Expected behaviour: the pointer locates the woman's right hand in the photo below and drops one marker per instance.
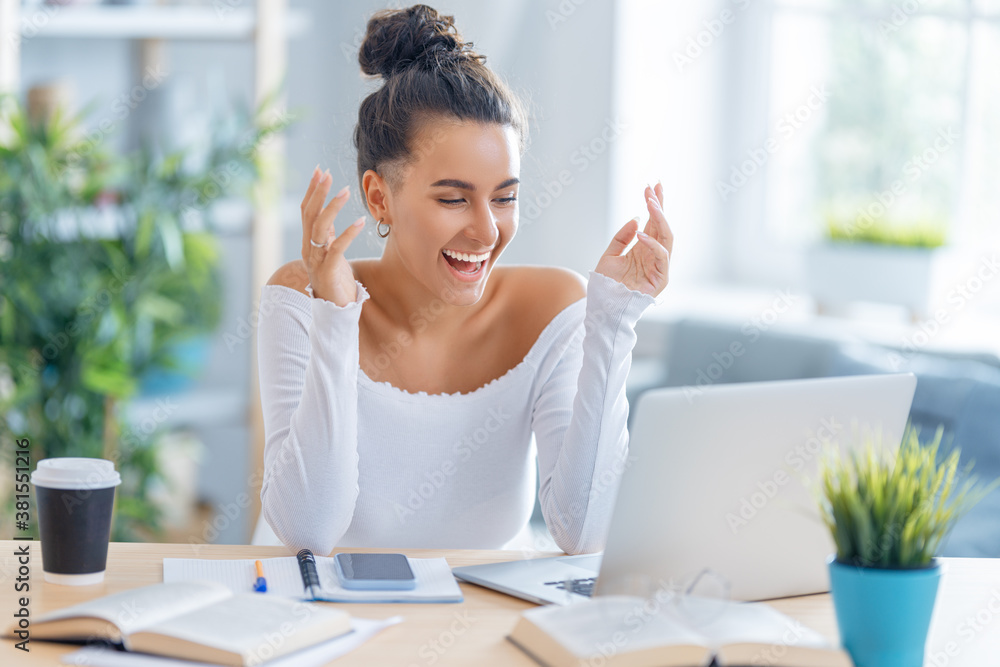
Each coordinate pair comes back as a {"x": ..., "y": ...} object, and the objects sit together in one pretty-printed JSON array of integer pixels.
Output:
[{"x": 330, "y": 274}]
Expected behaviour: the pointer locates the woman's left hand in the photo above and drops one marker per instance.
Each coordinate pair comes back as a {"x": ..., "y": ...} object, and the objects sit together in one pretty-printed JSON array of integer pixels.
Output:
[{"x": 646, "y": 266}]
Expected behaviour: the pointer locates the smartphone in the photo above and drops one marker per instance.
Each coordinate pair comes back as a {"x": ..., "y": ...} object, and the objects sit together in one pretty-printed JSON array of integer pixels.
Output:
[{"x": 380, "y": 572}]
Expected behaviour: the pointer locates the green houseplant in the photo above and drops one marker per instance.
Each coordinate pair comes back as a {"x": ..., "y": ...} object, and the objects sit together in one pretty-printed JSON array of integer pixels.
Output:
[
  {"x": 103, "y": 274},
  {"x": 888, "y": 514},
  {"x": 927, "y": 234}
]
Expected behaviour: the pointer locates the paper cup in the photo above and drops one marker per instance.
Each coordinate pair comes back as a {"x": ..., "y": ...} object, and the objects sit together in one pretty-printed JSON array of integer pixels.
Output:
[{"x": 75, "y": 497}]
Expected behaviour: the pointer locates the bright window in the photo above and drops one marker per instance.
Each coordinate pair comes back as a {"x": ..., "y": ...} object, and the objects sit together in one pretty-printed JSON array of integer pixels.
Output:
[{"x": 910, "y": 130}]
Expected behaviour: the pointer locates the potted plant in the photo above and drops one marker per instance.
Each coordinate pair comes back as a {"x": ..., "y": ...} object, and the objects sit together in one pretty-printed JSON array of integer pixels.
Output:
[
  {"x": 888, "y": 513},
  {"x": 876, "y": 260},
  {"x": 104, "y": 278}
]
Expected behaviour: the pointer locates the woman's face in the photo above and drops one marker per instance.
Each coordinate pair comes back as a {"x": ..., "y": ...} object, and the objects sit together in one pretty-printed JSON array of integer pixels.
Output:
[{"x": 458, "y": 196}]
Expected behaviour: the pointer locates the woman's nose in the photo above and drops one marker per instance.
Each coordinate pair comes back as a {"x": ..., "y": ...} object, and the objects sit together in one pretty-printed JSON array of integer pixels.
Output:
[{"x": 483, "y": 227}]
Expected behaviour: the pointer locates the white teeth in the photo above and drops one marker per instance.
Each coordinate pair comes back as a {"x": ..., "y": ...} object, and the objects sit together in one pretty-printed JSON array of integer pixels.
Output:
[{"x": 466, "y": 257}]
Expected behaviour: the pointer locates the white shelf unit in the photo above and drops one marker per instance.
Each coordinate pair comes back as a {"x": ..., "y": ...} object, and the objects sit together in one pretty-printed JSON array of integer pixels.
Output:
[
  {"x": 148, "y": 22},
  {"x": 267, "y": 25}
]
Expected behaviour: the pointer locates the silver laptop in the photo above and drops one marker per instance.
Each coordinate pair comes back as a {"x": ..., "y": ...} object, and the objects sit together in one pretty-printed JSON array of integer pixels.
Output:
[{"x": 716, "y": 486}]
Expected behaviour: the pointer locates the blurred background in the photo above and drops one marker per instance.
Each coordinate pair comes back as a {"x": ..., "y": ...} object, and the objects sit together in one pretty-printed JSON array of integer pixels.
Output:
[{"x": 831, "y": 172}]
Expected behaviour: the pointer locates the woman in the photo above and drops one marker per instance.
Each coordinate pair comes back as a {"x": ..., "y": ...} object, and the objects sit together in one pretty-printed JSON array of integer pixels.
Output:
[{"x": 401, "y": 394}]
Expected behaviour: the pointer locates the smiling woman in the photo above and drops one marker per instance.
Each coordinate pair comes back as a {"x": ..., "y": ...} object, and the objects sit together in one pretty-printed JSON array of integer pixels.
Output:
[
  {"x": 459, "y": 200},
  {"x": 405, "y": 397}
]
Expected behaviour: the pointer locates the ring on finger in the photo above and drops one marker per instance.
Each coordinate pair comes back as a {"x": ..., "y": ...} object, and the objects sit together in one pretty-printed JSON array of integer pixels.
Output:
[{"x": 318, "y": 245}]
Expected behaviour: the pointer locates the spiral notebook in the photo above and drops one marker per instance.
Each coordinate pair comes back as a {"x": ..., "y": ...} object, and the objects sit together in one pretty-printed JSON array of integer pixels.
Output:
[{"x": 435, "y": 582}]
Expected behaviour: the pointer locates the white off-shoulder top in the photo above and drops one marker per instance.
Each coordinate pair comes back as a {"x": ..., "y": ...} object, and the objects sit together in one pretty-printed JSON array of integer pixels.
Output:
[{"x": 351, "y": 462}]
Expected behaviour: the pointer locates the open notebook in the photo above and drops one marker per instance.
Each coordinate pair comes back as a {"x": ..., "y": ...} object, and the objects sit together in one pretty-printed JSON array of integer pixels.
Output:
[{"x": 435, "y": 582}]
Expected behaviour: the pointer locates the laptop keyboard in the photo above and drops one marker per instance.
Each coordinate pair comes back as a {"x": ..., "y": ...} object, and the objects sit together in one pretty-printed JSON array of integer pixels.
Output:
[{"x": 583, "y": 587}]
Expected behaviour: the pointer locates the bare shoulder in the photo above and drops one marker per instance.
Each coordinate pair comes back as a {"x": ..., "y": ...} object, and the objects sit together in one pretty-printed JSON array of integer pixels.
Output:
[
  {"x": 548, "y": 289},
  {"x": 293, "y": 275}
]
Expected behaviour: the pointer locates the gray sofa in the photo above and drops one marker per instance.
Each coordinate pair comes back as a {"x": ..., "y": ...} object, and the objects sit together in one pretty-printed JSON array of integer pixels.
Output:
[{"x": 960, "y": 392}]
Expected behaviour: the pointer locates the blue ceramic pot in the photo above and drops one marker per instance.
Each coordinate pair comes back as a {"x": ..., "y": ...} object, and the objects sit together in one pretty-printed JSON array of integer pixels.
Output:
[{"x": 883, "y": 614}]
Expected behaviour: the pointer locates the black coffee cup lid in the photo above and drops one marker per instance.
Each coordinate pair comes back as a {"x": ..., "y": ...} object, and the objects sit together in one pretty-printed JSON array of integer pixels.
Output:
[{"x": 72, "y": 472}]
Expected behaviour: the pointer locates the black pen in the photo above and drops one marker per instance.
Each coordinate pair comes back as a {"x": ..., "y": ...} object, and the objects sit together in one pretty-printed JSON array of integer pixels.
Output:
[{"x": 310, "y": 578}]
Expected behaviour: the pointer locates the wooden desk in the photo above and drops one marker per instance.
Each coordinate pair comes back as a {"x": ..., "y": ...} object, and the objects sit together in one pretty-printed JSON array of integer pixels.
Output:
[{"x": 967, "y": 617}]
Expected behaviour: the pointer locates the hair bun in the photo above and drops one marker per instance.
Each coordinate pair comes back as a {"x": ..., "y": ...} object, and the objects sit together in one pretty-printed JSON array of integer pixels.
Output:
[{"x": 399, "y": 38}]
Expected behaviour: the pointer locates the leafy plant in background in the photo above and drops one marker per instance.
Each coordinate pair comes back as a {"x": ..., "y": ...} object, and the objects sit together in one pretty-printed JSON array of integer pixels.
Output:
[
  {"x": 924, "y": 234},
  {"x": 893, "y": 510},
  {"x": 84, "y": 315}
]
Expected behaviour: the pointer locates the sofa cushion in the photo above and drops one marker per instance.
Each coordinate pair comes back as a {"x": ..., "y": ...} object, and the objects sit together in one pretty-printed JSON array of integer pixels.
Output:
[
  {"x": 703, "y": 352},
  {"x": 964, "y": 397}
]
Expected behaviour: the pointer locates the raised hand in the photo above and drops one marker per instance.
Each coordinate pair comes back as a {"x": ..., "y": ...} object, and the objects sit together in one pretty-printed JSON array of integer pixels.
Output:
[
  {"x": 645, "y": 267},
  {"x": 330, "y": 273}
]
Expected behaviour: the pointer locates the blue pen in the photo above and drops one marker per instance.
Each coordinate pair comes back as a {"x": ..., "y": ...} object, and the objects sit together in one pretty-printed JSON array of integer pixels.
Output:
[{"x": 260, "y": 586}]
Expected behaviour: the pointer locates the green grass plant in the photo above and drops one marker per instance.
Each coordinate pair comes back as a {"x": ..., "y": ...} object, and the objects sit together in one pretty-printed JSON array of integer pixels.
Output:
[{"x": 894, "y": 509}]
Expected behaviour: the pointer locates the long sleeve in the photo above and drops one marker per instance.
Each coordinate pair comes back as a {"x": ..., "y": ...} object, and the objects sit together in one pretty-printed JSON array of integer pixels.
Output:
[
  {"x": 308, "y": 362},
  {"x": 580, "y": 417}
]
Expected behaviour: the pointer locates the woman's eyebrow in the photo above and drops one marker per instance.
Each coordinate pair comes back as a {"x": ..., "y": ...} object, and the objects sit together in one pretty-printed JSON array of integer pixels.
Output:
[{"x": 465, "y": 185}]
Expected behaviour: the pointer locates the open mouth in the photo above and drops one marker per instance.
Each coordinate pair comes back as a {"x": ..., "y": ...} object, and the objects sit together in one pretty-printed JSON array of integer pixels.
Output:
[{"x": 465, "y": 263}]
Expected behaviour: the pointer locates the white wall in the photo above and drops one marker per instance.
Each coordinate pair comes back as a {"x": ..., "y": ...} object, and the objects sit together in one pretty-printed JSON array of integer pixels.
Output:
[{"x": 668, "y": 89}]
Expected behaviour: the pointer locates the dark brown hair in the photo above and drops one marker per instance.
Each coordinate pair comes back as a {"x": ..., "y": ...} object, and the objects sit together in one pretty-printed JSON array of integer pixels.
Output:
[{"x": 428, "y": 72}]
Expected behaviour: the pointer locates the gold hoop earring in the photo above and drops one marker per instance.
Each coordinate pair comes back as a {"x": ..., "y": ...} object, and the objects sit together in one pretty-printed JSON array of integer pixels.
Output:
[{"x": 378, "y": 228}]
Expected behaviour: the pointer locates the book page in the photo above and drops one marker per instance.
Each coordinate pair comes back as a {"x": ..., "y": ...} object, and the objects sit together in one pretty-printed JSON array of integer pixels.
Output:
[
  {"x": 611, "y": 625},
  {"x": 435, "y": 582},
  {"x": 758, "y": 623},
  {"x": 254, "y": 626},
  {"x": 138, "y": 608},
  {"x": 321, "y": 654}
]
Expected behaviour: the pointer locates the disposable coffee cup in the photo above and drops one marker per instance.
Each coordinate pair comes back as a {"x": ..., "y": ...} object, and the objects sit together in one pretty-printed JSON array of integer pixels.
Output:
[{"x": 75, "y": 497}]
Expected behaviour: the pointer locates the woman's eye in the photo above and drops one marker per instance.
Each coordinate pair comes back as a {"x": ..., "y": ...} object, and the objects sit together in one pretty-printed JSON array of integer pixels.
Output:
[{"x": 505, "y": 201}]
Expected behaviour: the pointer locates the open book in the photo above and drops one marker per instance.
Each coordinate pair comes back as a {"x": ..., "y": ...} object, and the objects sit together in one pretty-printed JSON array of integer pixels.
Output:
[
  {"x": 196, "y": 621},
  {"x": 625, "y": 631}
]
